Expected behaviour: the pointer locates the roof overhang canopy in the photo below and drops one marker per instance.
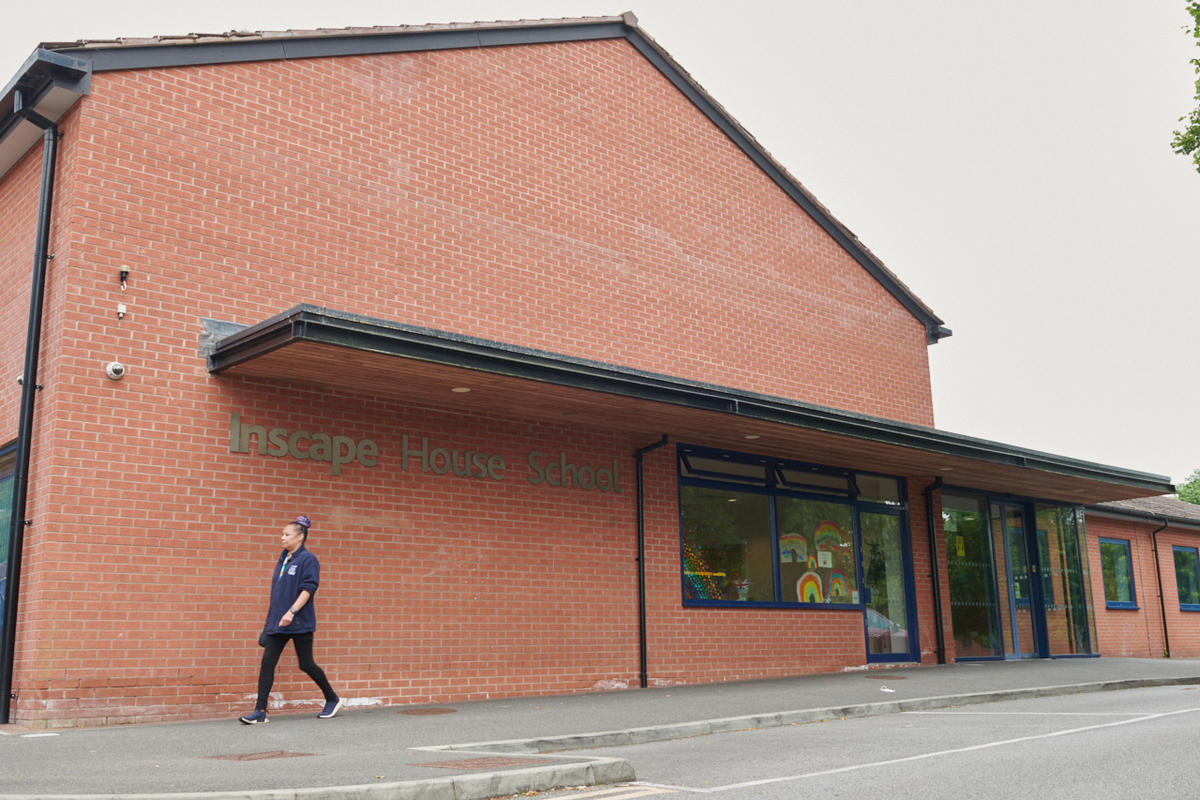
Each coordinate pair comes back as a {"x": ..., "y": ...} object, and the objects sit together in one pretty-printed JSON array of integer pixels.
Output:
[{"x": 420, "y": 366}]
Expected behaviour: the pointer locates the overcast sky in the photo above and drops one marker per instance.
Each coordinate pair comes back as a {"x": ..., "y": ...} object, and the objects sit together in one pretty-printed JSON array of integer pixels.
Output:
[{"x": 1010, "y": 162}]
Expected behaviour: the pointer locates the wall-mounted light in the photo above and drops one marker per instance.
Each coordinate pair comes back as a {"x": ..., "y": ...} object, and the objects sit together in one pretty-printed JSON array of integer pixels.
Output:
[{"x": 461, "y": 389}]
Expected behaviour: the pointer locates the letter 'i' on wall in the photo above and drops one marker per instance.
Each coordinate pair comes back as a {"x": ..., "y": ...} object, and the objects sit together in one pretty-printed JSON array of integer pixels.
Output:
[{"x": 337, "y": 450}]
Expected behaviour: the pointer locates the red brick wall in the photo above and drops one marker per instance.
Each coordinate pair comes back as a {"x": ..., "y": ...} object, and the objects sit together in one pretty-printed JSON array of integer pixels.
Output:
[
  {"x": 18, "y": 222},
  {"x": 562, "y": 197},
  {"x": 1139, "y": 632},
  {"x": 434, "y": 587}
]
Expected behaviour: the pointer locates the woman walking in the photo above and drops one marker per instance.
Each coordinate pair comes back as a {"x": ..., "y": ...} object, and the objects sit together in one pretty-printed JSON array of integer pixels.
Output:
[{"x": 292, "y": 617}]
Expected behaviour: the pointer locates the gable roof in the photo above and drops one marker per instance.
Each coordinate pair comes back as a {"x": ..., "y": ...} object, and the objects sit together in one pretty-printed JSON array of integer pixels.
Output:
[{"x": 58, "y": 73}]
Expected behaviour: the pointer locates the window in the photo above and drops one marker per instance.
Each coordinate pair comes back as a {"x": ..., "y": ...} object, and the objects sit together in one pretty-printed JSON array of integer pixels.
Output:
[
  {"x": 726, "y": 545},
  {"x": 759, "y": 530},
  {"x": 1187, "y": 577},
  {"x": 1117, "y": 569},
  {"x": 6, "y": 488},
  {"x": 817, "y": 561}
]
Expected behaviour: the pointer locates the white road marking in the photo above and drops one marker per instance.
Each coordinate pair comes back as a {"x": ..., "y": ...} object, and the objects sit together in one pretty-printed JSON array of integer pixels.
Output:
[
  {"x": 620, "y": 792},
  {"x": 922, "y": 756},
  {"x": 1032, "y": 713}
]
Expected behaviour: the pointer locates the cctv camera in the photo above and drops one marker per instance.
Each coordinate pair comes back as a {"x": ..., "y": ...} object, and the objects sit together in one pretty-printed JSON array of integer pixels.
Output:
[{"x": 115, "y": 370}]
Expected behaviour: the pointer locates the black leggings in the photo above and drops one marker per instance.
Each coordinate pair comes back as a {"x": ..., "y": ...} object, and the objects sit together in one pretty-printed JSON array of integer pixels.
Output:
[{"x": 273, "y": 649}]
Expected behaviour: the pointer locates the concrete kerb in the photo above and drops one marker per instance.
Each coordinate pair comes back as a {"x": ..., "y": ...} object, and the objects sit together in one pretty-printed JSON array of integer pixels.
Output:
[
  {"x": 599, "y": 771},
  {"x": 683, "y": 730}
]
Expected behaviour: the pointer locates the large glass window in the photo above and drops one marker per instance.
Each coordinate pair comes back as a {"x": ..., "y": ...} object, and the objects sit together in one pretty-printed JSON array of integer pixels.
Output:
[
  {"x": 1116, "y": 568},
  {"x": 759, "y": 530},
  {"x": 817, "y": 561},
  {"x": 1187, "y": 577},
  {"x": 885, "y": 584},
  {"x": 726, "y": 545}
]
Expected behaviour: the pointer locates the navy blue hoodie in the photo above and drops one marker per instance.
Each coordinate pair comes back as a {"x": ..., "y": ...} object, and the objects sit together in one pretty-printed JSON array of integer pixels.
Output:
[{"x": 302, "y": 571}]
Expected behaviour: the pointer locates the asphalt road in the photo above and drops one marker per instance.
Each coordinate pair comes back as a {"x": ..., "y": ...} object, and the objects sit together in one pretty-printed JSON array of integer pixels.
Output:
[{"x": 1135, "y": 743}]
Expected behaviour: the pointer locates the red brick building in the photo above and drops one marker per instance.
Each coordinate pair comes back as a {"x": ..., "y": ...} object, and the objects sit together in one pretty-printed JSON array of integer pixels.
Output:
[
  {"x": 1145, "y": 556},
  {"x": 581, "y": 389}
]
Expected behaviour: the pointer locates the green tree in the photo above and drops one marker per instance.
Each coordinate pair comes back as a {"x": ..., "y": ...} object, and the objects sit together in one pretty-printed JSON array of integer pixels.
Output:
[
  {"x": 1189, "y": 490},
  {"x": 1187, "y": 141}
]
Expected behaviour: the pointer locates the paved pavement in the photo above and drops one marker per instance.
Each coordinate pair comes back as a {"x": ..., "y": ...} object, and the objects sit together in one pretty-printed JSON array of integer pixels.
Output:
[{"x": 471, "y": 751}]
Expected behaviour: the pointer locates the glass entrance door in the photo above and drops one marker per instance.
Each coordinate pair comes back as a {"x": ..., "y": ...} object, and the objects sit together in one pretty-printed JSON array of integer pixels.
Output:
[
  {"x": 1019, "y": 585},
  {"x": 885, "y": 579},
  {"x": 1016, "y": 585}
]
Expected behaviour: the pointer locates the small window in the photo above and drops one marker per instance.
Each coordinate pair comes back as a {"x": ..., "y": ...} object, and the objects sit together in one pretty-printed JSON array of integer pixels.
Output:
[
  {"x": 730, "y": 470},
  {"x": 814, "y": 479},
  {"x": 1117, "y": 569},
  {"x": 878, "y": 489},
  {"x": 1187, "y": 577}
]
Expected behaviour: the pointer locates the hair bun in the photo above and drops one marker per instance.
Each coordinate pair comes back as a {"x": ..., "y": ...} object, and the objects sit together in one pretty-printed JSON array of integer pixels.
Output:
[{"x": 303, "y": 521}]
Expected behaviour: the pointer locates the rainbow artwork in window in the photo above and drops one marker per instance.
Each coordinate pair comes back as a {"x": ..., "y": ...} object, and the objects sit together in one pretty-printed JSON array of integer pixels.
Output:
[
  {"x": 837, "y": 587},
  {"x": 808, "y": 588},
  {"x": 701, "y": 579},
  {"x": 793, "y": 548}
]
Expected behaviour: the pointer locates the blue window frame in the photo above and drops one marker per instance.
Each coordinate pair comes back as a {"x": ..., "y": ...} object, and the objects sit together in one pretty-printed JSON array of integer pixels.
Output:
[
  {"x": 1187, "y": 577},
  {"x": 1116, "y": 567},
  {"x": 772, "y": 532}
]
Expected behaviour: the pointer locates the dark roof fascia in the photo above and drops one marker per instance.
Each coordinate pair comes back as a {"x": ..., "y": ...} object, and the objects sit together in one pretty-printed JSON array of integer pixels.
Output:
[
  {"x": 1150, "y": 517},
  {"x": 48, "y": 83},
  {"x": 121, "y": 56},
  {"x": 307, "y": 323}
]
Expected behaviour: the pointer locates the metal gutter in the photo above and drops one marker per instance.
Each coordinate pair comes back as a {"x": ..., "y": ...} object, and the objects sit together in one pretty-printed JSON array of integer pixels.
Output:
[
  {"x": 307, "y": 323},
  {"x": 29, "y": 390},
  {"x": 1162, "y": 601},
  {"x": 1147, "y": 518},
  {"x": 643, "y": 670},
  {"x": 938, "y": 617}
]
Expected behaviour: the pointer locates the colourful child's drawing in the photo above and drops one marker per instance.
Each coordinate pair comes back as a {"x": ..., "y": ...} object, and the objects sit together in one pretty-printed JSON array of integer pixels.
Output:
[
  {"x": 793, "y": 548},
  {"x": 701, "y": 579},
  {"x": 808, "y": 588},
  {"x": 829, "y": 536},
  {"x": 837, "y": 587}
]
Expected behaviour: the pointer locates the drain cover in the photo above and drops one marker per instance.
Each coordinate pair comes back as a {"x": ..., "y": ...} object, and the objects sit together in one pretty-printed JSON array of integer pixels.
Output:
[
  {"x": 497, "y": 762},
  {"x": 261, "y": 756},
  {"x": 427, "y": 710}
]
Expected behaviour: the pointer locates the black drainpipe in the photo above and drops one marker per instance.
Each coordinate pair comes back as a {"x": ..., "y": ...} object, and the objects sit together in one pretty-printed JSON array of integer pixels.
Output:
[
  {"x": 641, "y": 559},
  {"x": 933, "y": 563},
  {"x": 1162, "y": 603},
  {"x": 29, "y": 387}
]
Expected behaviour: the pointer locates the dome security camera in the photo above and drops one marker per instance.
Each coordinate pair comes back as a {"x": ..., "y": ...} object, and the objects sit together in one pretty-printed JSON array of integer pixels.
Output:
[{"x": 115, "y": 370}]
